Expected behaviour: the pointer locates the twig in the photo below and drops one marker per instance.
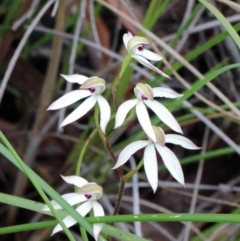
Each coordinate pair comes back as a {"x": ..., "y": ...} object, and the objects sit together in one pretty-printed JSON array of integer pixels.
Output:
[{"x": 20, "y": 47}]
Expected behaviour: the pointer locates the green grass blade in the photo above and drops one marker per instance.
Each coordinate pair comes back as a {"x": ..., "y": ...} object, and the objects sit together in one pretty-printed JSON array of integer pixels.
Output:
[
  {"x": 49, "y": 190},
  {"x": 11, "y": 14},
  {"x": 202, "y": 82},
  {"x": 223, "y": 21}
]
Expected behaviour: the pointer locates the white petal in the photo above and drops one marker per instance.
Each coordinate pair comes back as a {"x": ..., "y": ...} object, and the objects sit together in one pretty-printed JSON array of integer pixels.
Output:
[
  {"x": 164, "y": 114},
  {"x": 171, "y": 162},
  {"x": 145, "y": 62},
  {"x": 69, "y": 98},
  {"x": 75, "y": 180},
  {"x": 105, "y": 112},
  {"x": 165, "y": 92},
  {"x": 75, "y": 78},
  {"x": 123, "y": 110},
  {"x": 126, "y": 37},
  {"x": 148, "y": 55},
  {"x": 145, "y": 121},
  {"x": 80, "y": 110},
  {"x": 151, "y": 166},
  {"x": 71, "y": 198},
  {"x": 98, "y": 212},
  {"x": 128, "y": 151},
  {"x": 70, "y": 221},
  {"x": 182, "y": 141}
]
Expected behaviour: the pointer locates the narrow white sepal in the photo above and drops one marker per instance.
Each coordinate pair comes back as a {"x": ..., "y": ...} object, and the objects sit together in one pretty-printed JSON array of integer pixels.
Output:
[
  {"x": 145, "y": 121},
  {"x": 123, "y": 110},
  {"x": 80, "y": 110},
  {"x": 149, "y": 55},
  {"x": 98, "y": 212},
  {"x": 165, "y": 92},
  {"x": 128, "y": 151},
  {"x": 71, "y": 198},
  {"x": 164, "y": 114},
  {"x": 126, "y": 37},
  {"x": 171, "y": 162},
  {"x": 146, "y": 63},
  {"x": 75, "y": 180},
  {"x": 105, "y": 112},
  {"x": 150, "y": 166},
  {"x": 69, "y": 221},
  {"x": 69, "y": 99},
  {"x": 75, "y": 78},
  {"x": 182, "y": 141}
]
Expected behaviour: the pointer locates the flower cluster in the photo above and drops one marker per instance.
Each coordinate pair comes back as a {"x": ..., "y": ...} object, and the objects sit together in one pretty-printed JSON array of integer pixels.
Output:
[
  {"x": 92, "y": 89},
  {"x": 87, "y": 194},
  {"x": 135, "y": 47},
  {"x": 150, "y": 158}
]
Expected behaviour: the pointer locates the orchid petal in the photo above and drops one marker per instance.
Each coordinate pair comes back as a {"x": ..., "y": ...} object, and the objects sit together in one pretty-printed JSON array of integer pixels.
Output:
[
  {"x": 146, "y": 63},
  {"x": 164, "y": 114},
  {"x": 148, "y": 54},
  {"x": 150, "y": 166},
  {"x": 105, "y": 112},
  {"x": 71, "y": 198},
  {"x": 126, "y": 37},
  {"x": 128, "y": 151},
  {"x": 182, "y": 141},
  {"x": 80, "y": 111},
  {"x": 69, "y": 99},
  {"x": 171, "y": 162},
  {"x": 144, "y": 120},
  {"x": 75, "y": 180},
  {"x": 123, "y": 110},
  {"x": 69, "y": 221},
  {"x": 165, "y": 92},
  {"x": 75, "y": 78},
  {"x": 98, "y": 212}
]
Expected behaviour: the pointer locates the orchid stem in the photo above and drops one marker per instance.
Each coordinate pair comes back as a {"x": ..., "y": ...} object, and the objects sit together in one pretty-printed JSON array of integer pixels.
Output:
[
  {"x": 119, "y": 169},
  {"x": 125, "y": 64}
]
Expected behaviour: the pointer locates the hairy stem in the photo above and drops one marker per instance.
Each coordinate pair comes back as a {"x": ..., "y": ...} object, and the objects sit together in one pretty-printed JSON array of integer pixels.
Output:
[
  {"x": 116, "y": 81},
  {"x": 114, "y": 159}
]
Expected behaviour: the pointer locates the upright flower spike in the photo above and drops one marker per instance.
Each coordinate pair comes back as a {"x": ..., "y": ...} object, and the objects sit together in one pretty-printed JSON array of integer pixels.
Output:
[
  {"x": 135, "y": 48},
  {"x": 92, "y": 88},
  {"x": 88, "y": 194},
  {"x": 150, "y": 158},
  {"x": 145, "y": 96}
]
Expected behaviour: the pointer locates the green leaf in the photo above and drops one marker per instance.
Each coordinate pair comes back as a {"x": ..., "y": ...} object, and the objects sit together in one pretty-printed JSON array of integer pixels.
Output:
[
  {"x": 223, "y": 21},
  {"x": 49, "y": 190},
  {"x": 200, "y": 83}
]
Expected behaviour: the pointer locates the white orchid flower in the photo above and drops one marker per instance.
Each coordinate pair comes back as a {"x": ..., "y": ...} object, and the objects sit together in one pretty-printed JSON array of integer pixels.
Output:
[
  {"x": 145, "y": 95},
  {"x": 88, "y": 194},
  {"x": 150, "y": 159},
  {"x": 92, "y": 88},
  {"x": 135, "y": 48}
]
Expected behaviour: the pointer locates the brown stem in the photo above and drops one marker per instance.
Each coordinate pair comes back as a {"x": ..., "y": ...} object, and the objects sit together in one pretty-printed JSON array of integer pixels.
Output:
[
  {"x": 114, "y": 92},
  {"x": 121, "y": 177},
  {"x": 119, "y": 170}
]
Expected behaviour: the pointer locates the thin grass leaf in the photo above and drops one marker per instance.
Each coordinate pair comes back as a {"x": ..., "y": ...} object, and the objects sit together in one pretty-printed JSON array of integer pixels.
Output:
[{"x": 223, "y": 20}]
